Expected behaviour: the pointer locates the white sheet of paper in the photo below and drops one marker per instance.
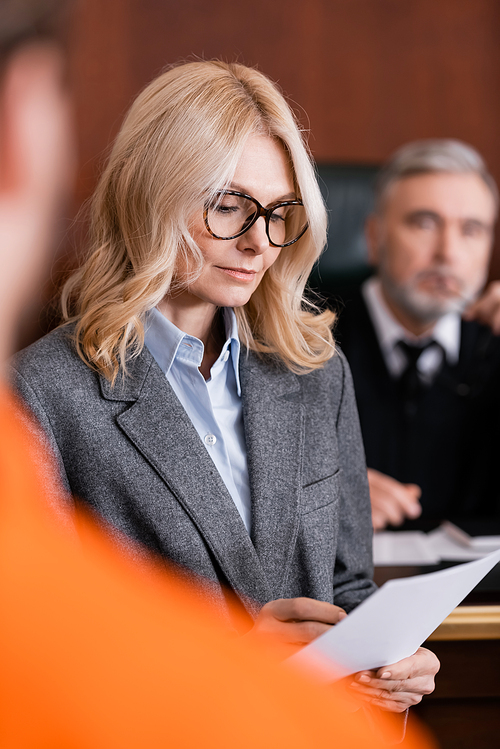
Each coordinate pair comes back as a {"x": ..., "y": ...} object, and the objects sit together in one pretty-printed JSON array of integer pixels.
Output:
[
  {"x": 402, "y": 547},
  {"x": 392, "y": 623}
]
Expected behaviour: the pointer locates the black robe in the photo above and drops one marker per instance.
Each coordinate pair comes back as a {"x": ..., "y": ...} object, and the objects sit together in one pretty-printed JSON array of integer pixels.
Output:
[{"x": 451, "y": 446}]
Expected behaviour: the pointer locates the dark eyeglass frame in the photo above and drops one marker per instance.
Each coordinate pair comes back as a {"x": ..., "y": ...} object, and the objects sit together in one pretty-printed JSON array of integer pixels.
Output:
[{"x": 261, "y": 211}]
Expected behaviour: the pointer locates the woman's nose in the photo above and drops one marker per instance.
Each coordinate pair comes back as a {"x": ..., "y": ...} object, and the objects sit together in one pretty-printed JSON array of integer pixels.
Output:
[{"x": 255, "y": 238}]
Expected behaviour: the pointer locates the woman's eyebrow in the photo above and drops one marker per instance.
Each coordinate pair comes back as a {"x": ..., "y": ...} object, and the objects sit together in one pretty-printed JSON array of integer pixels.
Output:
[{"x": 240, "y": 188}]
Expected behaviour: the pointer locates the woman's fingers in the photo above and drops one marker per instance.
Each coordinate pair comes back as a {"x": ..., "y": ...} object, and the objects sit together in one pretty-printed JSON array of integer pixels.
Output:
[
  {"x": 304, "y": 609},
  {"x": 421, "y": 684},
  {"x": 400, "y": 685},
  {"x": 396, "y": 701},
  {"x": 296, "y": 621},
  {"x": 422, "y": 662},
  {"x": 300, "y": 633},
  {"x": 410, "y": 690}
]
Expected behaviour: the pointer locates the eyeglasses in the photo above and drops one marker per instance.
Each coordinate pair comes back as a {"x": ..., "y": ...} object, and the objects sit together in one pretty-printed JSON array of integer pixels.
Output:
[{"x": 230, "y": 214}]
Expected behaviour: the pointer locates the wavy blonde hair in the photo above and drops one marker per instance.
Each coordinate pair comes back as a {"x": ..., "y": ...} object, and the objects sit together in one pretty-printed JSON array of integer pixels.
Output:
[{"x": 179, "y": 144}]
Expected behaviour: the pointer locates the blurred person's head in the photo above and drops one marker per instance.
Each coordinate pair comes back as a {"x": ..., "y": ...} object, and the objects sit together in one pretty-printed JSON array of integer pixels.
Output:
[
  {"x": 35, "y": 151},
  {"x": 181, "y": 144},
  {"x": 431, "y": 235}
]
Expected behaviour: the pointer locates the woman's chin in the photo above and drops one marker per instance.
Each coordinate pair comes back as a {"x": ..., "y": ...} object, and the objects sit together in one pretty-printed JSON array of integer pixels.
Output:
[{"x": 236, "y": 298}]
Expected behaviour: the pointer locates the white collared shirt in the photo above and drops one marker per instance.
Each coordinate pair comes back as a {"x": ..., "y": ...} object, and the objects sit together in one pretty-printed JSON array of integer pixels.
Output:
[
  {"x": 389, "y": 332},
  {"x": 214, "y": 405}
]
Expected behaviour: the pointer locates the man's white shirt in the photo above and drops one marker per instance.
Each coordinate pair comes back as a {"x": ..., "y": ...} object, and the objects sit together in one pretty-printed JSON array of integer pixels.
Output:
[{"x": 389, "y": 332}]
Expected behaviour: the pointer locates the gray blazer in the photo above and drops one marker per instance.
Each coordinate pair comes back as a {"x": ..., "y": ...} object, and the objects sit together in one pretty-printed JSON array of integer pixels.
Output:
[{"x": 134, "y": 456}]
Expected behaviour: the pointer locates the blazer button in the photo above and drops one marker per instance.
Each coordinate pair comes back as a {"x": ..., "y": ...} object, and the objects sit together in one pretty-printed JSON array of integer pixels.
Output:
[{"x": 210, "y": 439}]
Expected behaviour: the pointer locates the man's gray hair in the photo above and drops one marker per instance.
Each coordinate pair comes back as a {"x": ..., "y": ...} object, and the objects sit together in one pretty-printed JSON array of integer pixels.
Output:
[{"x": 432, "y": 155}]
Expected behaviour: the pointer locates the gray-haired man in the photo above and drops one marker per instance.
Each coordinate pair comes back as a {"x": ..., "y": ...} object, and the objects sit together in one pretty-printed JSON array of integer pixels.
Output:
[{"x": 424, "y": 376}]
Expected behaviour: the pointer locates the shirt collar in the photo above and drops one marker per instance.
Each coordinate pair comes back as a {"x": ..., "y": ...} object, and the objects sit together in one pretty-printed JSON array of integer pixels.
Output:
[
  {"x": 164, "y": 341},
  {"x": 233, "y": 341},
  {"x": 389, "y": 331}
]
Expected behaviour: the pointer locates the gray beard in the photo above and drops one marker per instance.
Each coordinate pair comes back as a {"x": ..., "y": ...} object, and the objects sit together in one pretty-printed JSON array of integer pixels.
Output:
[{"x": 420, "y": 305}]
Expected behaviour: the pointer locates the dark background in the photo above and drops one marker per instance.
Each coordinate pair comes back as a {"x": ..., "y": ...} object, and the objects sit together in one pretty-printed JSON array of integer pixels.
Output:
[{"x": 364, "y": 76}]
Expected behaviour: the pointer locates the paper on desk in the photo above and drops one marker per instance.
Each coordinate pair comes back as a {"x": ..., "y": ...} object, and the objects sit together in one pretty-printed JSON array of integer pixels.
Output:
[
  {"x": 403, "y": 547},
  {"x": 453, "y": 543},
  {"x": 449, "y": 550},
  {"x": 392, "y": 623},
  {"x": 418, "y": 548}
]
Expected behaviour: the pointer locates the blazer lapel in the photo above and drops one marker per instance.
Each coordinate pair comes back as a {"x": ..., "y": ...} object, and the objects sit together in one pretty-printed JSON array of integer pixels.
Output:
[
  {"x": 161, "y": 430},
  {"x": 274, "y": 431}
]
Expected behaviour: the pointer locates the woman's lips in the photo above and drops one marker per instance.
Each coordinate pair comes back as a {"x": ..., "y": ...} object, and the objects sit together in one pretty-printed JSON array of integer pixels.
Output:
[{"x": 240, "y": 273}]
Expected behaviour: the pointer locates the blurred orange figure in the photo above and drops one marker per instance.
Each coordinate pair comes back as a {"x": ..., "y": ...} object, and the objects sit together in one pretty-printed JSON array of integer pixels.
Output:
[{"x": 99, "y": 652}]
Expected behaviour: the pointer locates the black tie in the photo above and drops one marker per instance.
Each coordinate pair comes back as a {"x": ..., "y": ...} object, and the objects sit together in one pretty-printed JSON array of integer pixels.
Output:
[{"x": 410, "y": 382}]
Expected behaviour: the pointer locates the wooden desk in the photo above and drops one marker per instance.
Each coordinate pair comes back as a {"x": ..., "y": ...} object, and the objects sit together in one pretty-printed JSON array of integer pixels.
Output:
[
  {"x": 464, "y": 710},
  {"x": 469, "y": 623}
]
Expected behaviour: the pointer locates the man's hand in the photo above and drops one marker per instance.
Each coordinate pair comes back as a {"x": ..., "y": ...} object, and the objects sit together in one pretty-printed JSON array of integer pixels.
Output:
[
  {"x": 294, "y": 622},
  {"x": 401, "y": 685},
  {"x": 486, "y": 309},
  {"x": 392, "y": 502}
]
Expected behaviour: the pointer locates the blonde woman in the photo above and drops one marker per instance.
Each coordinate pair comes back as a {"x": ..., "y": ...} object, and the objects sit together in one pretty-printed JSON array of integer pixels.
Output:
[{"x": 194, "y": 398}]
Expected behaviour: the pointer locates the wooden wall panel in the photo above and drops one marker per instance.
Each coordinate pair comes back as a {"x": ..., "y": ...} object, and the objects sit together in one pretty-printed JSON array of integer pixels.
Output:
[{"x": 365, "y": 75}]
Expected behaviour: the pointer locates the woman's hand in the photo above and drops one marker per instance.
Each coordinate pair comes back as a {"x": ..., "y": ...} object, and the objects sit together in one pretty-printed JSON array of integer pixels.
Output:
[
  {"x": 401, "y": 685},
  {"x": 294, "y": 622}
]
